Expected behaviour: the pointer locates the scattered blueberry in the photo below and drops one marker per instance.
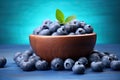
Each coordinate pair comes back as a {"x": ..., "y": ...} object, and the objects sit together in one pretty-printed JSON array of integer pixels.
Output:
[
  {"x": 27, "y": 65},
  {"x": 57, "y": 64},
  {"x": 41, "y": 65},
  {"x": 16, "y": 55},
  {"x": 106, "y": 61},
  {"x": 68, "y": 64},
  {"x": 78, "y": 69},
  {"x": 113, "y": 56},
  {"x": 94, "y": 57},
  {"x": 115, "y": 65},
  {"x": 3, "y": 61},
  {"x": 83, "y": 60},
  {"x": 97, "y": 66}
]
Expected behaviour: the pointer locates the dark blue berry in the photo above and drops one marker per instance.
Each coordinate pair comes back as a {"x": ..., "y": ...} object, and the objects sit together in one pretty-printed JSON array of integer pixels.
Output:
[
  {"x": 62, "y": 31},
  {"x": 57, "y": 64},
  {"x": 80, "y": 31},
  {"x": 35, "y": 57},
  {"x": 83, "y": 60},
  {"x": 72, "y": 33},
  {"x": 97, "y": 66},
  {"x": 113, "y": 56},
  {"x": 75, "y": 24},
  {"x": 106, "y": 61},
  {"x": 82, "y": 24},
  {"x": 78, "y": 69},
  {"x": 88, "y": 29},
  {"x": 94, "y": 57},
  {"x": 3, "y": 61},
  {"x": 41, "y": 65},
  {"x": 54, "y": 34},
  {"x": 45, "y": 32},
  {"x": 16, "y": 55},
  {"x": 68, "y": 64},
  {"x": 54, "y": 26},
  {"x": 36, "y": 31},
  {"x": 115, "y": 65},
  {"x": 27, "y": 65}
]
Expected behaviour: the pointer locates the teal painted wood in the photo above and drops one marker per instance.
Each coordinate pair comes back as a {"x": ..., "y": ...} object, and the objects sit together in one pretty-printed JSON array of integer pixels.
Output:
[
  {"x": 13, "y": 72},
  {"x": 18, "y": 18}
]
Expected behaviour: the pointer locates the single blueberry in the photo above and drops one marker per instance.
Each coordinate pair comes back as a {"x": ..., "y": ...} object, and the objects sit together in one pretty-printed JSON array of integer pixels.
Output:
[
  {"x": 57, "y": 64},
  {"x": 94, "y": 57},
  {"x": 16, "y": 55},
  {"x": 88, "y": 29},
  {"x": 101, "y": 54},
  {"x": 106, "y": 61},
  {"x": 45, "y": 32},
  {"x": 27, "y": 65},
  {"x": 3, "y": 61},
  {"x": 55, "y": 34},
  {"x": 35, "y": 57},
  {"x": 97, "y": 66},
  {"x": 72, "y": 33},
  {"x": 47, "y": 22},
  {"x": 115, "y": 65},
  {"x": 113, "y": 56},
  {"x": 68, "y": 64},
  {"x": 54, "y": 26},
  {"x": 82, "y": 24},
  {"x": 37, "y": 30},
  {"x": 83, "y": 60},
  {"x": 80, "y": 31},
  {"x": 62, "y": 31},
  {"x": 28, "y": 52},
  {"x": 78, "y": 69},
  {"x": 41, "y": 65},
  {"x": 75, "y": 24}
]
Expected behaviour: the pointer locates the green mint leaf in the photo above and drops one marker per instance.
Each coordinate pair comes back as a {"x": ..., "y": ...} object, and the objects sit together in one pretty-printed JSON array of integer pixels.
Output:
[
  {"x": 60, "y": 16},
  {"x": 69, "y": 18}
]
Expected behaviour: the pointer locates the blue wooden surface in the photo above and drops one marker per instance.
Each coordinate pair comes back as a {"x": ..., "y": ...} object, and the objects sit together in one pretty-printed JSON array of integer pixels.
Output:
[{"x": 12, "y": 72}]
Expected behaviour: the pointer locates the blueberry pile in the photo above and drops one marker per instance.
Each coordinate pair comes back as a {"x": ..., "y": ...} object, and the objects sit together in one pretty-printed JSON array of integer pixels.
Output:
[
  {"x": 3, "y": 61},
  {"x": 98, "y": 61},
  {"x": 74, "y": 27}
]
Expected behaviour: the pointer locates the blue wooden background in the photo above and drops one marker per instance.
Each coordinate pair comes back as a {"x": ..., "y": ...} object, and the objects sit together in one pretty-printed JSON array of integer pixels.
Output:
[{"x": 18, "y": 18}]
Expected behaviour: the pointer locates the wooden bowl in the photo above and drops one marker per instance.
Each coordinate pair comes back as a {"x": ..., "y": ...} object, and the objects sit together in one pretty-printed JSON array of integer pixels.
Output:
[{"x": 73, "y": 46}]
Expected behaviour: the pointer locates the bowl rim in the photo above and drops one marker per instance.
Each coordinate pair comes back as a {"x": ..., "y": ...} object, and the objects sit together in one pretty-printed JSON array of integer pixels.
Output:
[{"x": 64, "y": 36}]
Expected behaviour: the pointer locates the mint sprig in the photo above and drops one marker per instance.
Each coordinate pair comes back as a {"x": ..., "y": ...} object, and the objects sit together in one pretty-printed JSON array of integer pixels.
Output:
[{"x": 60, "y": 17}]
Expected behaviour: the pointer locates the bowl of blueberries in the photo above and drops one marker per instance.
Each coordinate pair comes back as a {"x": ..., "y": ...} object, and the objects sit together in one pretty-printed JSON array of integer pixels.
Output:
[{"x": 72, "y": 39}]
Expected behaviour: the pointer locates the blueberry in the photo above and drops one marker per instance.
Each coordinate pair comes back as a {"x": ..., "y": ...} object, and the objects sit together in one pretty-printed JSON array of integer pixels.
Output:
[
  {"x": 68, "y": 64},
  {"x": 88, "y": 29},
  {"x": 3, "y": 61},
  {"x": 106, "y": 61},
  {"x": 78, "y": 69},
  {"x": 41, "y": 65},
  {"x": 54, "y": 26},
  {"x": 75, "y": 24},
  {"x": 97, "y": 66},
  {"x": 94, "y": 57},
  {"x": 20, "y": 58},
  {"x": 47, "y": 22},
  {"x": 35, "y": 57},
  {"x": 57, "y": 64},
  {"x": 62, "y": 31},
  {"x": 45, "y": 32},
  {"x": 113, "y": 56},
  {"x": 80, "y": 31},
  {"x": 27, "y": 65},
  {"x": 28, "y": 52},
  {"x": 82, "y": 24},
  {"x": 72, "y": 33},
  {"x": 83, "y": 60},
  {"x": 16, "y": 55},
  {"x": 115, "y": 65},
  {"x": 77, "y": 63},
  {"x": 101, "y": 54},
  {"x": 36, "y": 31},
  {"x": 54, "y": 34}
]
